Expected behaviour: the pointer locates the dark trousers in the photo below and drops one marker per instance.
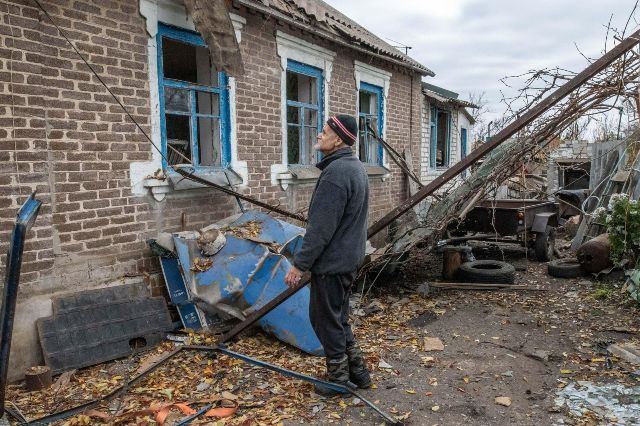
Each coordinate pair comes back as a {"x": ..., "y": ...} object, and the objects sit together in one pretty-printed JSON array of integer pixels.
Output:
[{"x": 329, "y": 311}]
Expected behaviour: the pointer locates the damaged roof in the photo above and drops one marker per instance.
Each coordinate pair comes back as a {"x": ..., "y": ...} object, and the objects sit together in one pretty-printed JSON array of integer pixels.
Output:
[
  {"x": 445, "y": 96},
  {"x": 317, "y": 16}
]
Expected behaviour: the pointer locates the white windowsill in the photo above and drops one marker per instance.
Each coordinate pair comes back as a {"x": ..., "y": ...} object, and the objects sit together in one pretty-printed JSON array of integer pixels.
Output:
[
  {"x": 173, "y": 181},
  {"x": 285, "y": 175}
]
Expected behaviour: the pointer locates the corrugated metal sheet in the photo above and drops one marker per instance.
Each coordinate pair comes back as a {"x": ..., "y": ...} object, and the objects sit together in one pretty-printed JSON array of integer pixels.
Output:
[{"x": 319, "y": 14}]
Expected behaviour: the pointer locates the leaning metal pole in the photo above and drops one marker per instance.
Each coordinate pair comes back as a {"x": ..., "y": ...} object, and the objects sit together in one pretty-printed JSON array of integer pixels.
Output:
[
  {"x": 26, "y": 216},
  {"x": 533, "y": 113}
]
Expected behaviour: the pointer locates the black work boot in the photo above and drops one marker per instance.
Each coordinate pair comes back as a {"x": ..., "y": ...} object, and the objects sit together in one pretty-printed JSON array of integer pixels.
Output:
[
  {"x": 337, "y": 372},
  {"x": 358, "y": 372}
]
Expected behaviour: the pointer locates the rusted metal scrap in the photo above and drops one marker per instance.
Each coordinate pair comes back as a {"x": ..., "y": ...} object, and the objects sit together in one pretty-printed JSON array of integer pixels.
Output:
[{"x": 594, "y": 254}]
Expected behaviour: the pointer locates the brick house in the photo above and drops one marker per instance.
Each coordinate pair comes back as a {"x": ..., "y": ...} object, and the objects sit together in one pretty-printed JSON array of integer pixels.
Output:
[
  {"x": 446, "y": 132},
  {"x": 63, "y": 135}
]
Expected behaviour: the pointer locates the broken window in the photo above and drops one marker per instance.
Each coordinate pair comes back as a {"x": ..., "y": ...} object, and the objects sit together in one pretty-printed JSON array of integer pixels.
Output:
[
  {"x": 370, "y": 116},
  {"x": 304, "y": 93},
  {"x": 440, "y": 137},
  {"x": 193, "y": 101},
  {"x": 574, "y": 175}
]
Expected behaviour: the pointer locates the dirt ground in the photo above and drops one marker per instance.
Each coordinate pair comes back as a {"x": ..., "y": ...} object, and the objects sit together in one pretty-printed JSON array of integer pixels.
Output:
[{"x": 521, "y": 344}]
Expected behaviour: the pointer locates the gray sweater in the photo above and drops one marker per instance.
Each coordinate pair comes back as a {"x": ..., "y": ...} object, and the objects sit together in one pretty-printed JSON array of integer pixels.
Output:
[{"x": 337, "y": 222}]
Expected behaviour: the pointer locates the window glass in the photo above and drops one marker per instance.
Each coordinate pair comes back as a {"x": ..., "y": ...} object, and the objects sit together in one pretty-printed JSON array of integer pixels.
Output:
[
  {"x": 442, "y": 141},
  {"x": 178, "y": 139},
  {"x": 303, "y": 112},
  {"x": 209, "y": 141},
  {"x": 302, "y": 88},
  {"x": 176, "y": 100},
  {"x": 293, "y": 145},
  {"x": 369, "y": 118}
]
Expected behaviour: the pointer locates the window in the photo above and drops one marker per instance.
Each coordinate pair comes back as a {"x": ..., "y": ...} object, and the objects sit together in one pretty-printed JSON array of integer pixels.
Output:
[
  {"x": 194, "y": 105},
  {"x": 463, "y": 147},
  {"x": 304, "y": 93},
  {"x": 574, "y": 176},
  {"x": 370, "y": 115},
  {"x": 440, "y": 137}
]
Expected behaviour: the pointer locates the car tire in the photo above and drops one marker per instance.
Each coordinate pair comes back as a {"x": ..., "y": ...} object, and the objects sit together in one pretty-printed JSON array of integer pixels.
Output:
[
  {"x": 544, "y": 244},
  {"x": 565, "y": 268},
  {"x": 486, "y": 271}
]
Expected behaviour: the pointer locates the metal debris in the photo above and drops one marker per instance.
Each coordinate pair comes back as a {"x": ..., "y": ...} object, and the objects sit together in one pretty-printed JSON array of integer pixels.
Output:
[{"x": 617, "y": 404}]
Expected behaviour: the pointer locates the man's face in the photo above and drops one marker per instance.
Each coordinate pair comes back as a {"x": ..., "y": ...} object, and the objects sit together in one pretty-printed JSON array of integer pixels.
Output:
[{"x": 327, "y": 141}]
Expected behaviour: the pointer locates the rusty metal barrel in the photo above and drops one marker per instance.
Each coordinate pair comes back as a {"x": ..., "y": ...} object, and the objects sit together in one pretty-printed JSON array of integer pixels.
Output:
[{"x": 594, "y": 255}]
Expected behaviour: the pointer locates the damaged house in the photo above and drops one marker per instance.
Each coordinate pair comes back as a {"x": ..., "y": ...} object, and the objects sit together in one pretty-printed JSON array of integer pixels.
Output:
[
  {"x": 105, "y": 189},
  {"x": 447, "y": 127}
]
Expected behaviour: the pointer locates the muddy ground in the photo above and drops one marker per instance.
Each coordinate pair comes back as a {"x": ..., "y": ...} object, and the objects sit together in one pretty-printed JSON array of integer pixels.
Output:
[{"x": 523, "y": 345}]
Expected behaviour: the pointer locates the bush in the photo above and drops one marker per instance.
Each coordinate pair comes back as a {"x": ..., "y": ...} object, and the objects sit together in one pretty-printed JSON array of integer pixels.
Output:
[{"x": 623, "y": 227}]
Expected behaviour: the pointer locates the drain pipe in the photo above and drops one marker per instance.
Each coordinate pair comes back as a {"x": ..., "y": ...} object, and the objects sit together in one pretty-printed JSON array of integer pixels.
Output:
[{"x": 26, "y": 217}]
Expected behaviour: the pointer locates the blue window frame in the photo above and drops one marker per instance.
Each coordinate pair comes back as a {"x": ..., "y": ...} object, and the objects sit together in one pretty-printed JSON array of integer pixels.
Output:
[
  {"x": 304, "y": 102},
  {"x": 440, "y": 141},
  {"x": 463, "y": 146},
  {"x": 370, "y": 114},
  {"x": 194, "y": 102}
]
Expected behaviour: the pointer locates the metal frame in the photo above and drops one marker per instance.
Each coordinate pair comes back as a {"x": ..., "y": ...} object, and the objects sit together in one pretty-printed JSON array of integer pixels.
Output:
[
  {"x": 192, "y": 38},
  {"x": 26, "y": 217},
  {"x": 370, "y": 141},
  {"x": 309, "y": 71}
]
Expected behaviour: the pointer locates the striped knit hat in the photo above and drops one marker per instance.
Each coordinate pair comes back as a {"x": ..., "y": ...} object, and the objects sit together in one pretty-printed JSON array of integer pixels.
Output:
[{"x": 345, "y": 126}]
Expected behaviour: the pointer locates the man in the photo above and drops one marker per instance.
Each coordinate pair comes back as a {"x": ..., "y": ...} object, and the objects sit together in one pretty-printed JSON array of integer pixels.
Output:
[{"x": 333, "y": 249}]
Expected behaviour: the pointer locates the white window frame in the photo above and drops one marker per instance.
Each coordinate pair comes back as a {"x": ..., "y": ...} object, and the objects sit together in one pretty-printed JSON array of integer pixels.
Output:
[
  {"x": 173, "y": 12},
  {"x": 296, "y": 49},
  {"x": 377, "y": 77}
]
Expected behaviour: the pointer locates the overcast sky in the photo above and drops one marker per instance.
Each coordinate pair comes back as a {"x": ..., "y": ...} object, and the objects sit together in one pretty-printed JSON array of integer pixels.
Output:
[{"x": 472, "y": 44}]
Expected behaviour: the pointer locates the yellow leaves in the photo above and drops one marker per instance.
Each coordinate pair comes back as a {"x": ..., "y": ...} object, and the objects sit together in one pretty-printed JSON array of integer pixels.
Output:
[
  {"x": 168, "y": 393},
  {"x": 410, "y": 391},
  {"x": 600, "y": 359},
  {"x": 404, "y": 416},
  {"x": 435, "y": 408},
  {"x": 566, "y": 371},
  {"x": 334, "y": 415},
  {"x": 466, "y": 380}
]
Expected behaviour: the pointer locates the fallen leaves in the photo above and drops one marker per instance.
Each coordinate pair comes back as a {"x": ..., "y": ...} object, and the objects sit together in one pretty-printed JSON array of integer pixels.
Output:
[{"x": 201, "y": 264}]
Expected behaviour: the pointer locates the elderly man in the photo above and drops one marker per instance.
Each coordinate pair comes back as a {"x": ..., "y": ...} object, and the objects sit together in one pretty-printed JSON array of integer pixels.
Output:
[{"x": 333, "y": 249}]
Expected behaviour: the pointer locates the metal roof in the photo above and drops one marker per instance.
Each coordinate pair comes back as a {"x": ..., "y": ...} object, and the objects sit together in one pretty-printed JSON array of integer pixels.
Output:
[
  {"x": 445, "y": 96},
  {"x": 324, "y": 20}
]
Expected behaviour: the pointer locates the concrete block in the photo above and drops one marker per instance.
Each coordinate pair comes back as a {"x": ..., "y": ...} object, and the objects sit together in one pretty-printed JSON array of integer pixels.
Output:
[
  {"x": 95, "y": 326},
  {"x": 627, "y": 351}
]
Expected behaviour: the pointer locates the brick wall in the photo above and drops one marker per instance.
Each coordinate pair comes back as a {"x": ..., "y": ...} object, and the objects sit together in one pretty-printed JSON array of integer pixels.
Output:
[
  {"x": 63, "y": 135},
  {"x": 258, "y": 109}
]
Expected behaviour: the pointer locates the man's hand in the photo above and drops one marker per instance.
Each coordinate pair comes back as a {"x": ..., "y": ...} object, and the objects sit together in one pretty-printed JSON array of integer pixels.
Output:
[{"x": 293, "y": 277}]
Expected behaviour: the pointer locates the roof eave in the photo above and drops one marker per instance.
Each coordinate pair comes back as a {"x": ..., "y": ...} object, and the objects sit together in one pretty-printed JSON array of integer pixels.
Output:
[{"x": 424, "y": 71}]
